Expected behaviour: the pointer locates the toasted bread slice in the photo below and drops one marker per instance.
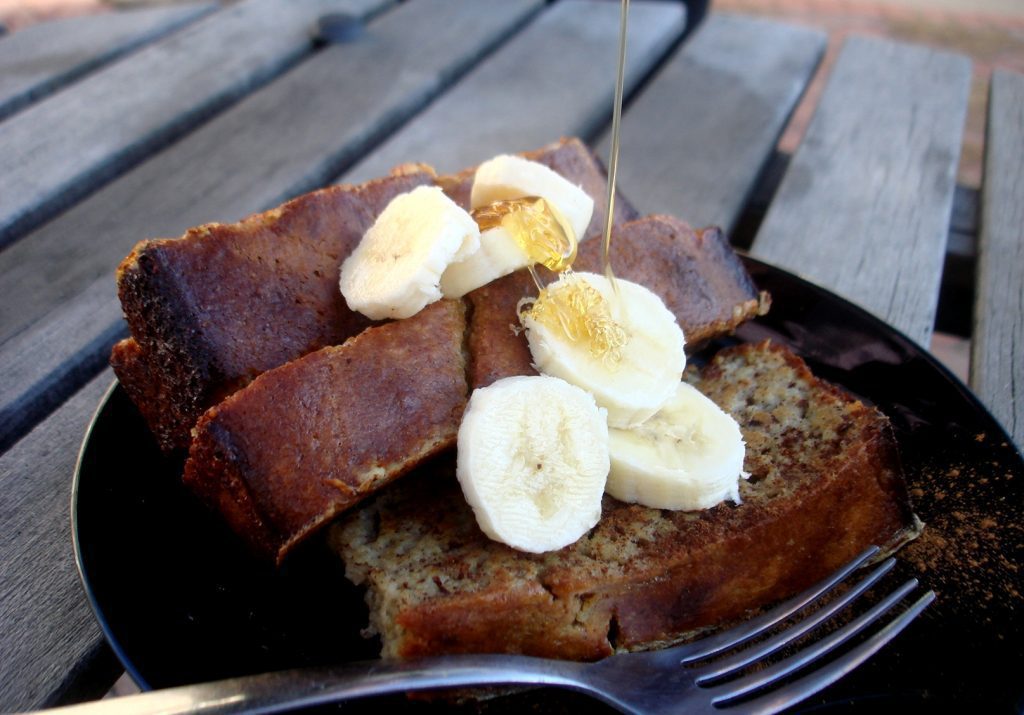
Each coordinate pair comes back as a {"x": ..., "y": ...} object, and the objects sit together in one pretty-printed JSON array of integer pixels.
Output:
[
  {"x": 305, "y": 441},
  {"x": 825, "y": 483},
  {"x": 225, "y": 302},
  {"x": 696, "y": 273}
]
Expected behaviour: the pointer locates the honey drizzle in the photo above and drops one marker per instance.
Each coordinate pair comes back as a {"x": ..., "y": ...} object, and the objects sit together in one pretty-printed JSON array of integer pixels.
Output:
[
  {"x": 613, "y": 157},
  {"x": 537, "y": 227},
  {"x": 536, "y": 278},
  {"x": 583, "y": 314}
]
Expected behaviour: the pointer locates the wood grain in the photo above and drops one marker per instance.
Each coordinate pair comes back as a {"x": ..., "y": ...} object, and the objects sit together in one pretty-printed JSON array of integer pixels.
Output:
[
  {"x": 997, "y": 342},
  {"x": 865, "y": 205},
  {"x": 55, "y": 356},
  {"x": 554, "y": 79},
  {"x": 694, "y": 142},
  {"x": 40, "y": 59},
  {"x": 49, "y": 634},
  {"x": 251, "y": 157},
  {"x": 61, "y": 148}
]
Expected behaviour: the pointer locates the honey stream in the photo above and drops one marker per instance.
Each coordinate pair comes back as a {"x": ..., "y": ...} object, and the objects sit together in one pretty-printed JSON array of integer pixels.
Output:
[{"x": 613, "y": 157}]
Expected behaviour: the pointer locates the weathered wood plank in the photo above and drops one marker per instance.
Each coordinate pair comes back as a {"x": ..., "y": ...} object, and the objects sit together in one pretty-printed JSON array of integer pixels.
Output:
[
  {"x": 556, "y": 78},
  {"x": 865, "y": 205},
  {"x": 695, "y": 141},
  {"x": 250, "y": 157},
  {"x": 997, "y": 342},
  {"x": 54, "y": 357},
  {"x": 48, "y": 634},
  {"x": 41, "y": 59},
  {"x": 67, "y": 145}
]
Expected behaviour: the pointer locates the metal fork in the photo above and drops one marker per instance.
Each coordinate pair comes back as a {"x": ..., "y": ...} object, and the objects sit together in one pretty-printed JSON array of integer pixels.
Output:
[{"x": 650, "y": 682}]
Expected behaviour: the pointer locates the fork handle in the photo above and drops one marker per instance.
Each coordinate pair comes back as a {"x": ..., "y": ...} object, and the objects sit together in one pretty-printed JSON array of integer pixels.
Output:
[{"x": 274, "y": 692}]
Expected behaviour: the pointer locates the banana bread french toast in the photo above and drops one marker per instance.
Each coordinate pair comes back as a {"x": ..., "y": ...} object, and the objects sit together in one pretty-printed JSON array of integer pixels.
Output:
[
  {"x": 697, "y": 274},
  {"x": 309, "y": 439},
  {"x": 825, "y": 482},
  {"x": 225, "y": 302}
]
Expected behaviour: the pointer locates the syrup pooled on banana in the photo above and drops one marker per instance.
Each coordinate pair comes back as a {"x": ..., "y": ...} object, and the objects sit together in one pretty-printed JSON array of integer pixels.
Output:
[
  {"x": 537, "y": 227},
  {"x": 572, "y": 305}
]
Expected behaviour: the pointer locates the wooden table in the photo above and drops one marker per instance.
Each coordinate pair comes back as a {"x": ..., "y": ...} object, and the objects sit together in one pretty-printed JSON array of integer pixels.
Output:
[{"x": 141, "y": 124}]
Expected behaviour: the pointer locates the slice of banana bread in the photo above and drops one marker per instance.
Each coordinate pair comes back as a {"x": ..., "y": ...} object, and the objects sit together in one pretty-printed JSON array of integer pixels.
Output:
[
  {"x": 825, "y": 482},
  {"x": 307, "y": 440},
  {"x": 213, "y": 309}
]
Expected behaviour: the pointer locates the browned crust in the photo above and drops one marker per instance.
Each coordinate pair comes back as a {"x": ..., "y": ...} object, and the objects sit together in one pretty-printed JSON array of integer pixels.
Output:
[
  {"x": 305, "y": 441},
  {"x": 826, "y": 483},
  {"x": 696, "y": 273},
  {"x": 497, "y": 347},
  {"x": 134, "y": 368}
]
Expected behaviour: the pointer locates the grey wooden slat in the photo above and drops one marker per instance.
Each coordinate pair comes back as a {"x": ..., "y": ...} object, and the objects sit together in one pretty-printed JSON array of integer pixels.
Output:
[
  {"x": 45, "y": 363},
  {"x": 865, "y": 205},
  {"x": 48, "y": 634},
  {"x": 556, "y": 78},
  {"x": 286, "y": 138},
  {"x": 997, "y": 342},
  {"x": 41, "y": 59},
  {"x": 963, "y": 223},
  {"x": 57, "y": 150},
  {"x": 694, "y": 142}
]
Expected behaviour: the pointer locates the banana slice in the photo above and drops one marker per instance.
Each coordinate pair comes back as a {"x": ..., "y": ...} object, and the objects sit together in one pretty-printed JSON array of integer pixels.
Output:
[
  {"x": 498, "y": 255},
  {"x": 689, "y": 455},
  {"x": 396, "y": 269},
  {"x": 512, "y": 177},
  {"x": 532, "y": 461},
  {"x": 625, "y": 349}
]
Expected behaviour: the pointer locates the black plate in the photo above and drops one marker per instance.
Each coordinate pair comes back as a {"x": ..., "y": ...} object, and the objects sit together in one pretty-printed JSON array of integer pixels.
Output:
[{"x": 180, "y": 601}]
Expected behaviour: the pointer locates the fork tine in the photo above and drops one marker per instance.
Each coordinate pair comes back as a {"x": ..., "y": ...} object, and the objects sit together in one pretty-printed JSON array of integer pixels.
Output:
[
  {"x": 750, "y": 629},
  {"x": 811, "y": 683},
  {"x": 742, "y": 686},
  {"x": 749, "y": 655}
]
